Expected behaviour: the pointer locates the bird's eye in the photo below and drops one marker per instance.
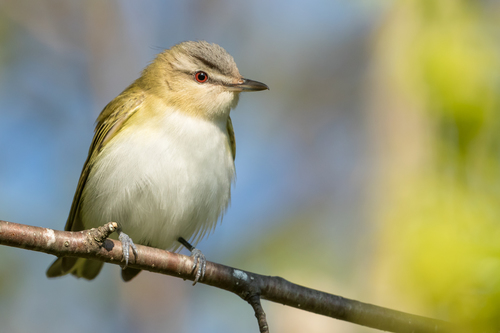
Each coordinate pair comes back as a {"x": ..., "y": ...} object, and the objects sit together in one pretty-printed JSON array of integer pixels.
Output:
[{"x": 201, "y": 77}]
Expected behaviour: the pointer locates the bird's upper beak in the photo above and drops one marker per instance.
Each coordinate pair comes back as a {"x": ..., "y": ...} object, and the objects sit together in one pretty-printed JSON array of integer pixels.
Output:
[{"x": 247, "y": 85}]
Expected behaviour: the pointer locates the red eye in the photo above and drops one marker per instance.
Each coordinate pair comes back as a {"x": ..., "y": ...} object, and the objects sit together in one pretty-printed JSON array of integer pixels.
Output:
[{"x": 201, "y": 77}]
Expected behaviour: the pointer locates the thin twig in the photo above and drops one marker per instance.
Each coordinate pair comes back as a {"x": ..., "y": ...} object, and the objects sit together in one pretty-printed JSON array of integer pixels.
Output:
[
  {"x": 249, "y": 286},
  {"x": 254, "y": 301}
]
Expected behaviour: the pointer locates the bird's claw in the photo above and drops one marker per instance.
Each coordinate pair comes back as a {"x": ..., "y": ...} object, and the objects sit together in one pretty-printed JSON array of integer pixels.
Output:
[
  {"x": 127, "y": 243},
  {"x": 199, "y": 264}
]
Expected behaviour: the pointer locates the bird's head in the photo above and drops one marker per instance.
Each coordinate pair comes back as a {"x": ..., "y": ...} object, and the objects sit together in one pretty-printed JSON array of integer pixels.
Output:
[{"x": 199, "y": 78}]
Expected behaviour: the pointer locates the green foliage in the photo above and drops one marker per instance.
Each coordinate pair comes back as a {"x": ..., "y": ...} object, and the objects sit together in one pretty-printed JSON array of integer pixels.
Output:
[{"x": 443, "y": 230}]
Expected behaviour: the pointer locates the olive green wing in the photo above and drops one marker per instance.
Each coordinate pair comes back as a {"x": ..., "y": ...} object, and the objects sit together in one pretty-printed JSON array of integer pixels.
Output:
[
  {"x": 109, "y": 123},
  {"x": 232, "y": 140}
]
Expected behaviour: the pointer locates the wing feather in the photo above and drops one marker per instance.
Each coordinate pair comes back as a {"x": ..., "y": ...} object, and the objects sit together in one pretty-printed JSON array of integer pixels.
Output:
[
  {"x": 232, "y": 140},
  {"x": 110, "y": 121}
]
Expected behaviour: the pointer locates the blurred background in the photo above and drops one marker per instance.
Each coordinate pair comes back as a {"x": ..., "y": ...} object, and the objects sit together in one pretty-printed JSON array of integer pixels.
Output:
[{"x": 371, "y": 169}]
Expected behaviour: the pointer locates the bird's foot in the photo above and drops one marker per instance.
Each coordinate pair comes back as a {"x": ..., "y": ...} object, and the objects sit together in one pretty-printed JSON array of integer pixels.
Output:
[
  {"x": 199, "y": 260},
  {"x": 127, "y": 243},
  {"x": 199, "y": 264}
]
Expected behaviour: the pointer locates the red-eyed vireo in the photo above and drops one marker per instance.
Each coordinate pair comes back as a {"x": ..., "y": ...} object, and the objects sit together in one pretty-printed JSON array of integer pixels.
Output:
[{"x": 161, "y": 162}]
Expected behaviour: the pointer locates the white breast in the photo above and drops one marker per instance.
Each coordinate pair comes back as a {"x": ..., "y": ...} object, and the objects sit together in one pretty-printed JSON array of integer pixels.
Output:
[{"x": 162, "y": 182}]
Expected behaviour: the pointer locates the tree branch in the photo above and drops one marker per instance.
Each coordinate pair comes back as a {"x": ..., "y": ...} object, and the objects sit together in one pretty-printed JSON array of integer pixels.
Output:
[{"x": 94, "y": 244}]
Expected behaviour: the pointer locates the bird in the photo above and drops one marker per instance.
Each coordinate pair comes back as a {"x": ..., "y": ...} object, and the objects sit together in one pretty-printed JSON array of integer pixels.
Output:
[{"x": 161, "y": 162}]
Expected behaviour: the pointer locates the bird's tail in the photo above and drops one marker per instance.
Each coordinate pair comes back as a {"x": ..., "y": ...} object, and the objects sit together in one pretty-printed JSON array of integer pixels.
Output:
[{"x": 79, "y": 267}]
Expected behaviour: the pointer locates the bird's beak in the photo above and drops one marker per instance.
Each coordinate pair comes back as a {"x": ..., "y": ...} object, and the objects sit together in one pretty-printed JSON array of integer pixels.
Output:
[{"x": 247, "y": 85}]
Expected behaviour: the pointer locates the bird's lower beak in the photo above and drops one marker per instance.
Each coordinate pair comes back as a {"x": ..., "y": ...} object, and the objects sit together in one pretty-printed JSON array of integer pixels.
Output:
[{"x": 247, "y": 85}]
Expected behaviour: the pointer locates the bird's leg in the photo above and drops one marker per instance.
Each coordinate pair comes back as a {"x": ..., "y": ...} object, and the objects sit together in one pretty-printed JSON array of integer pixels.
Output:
[
  {"x": 199, "y": 260},
  {"x": 127, "y": 243}
]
